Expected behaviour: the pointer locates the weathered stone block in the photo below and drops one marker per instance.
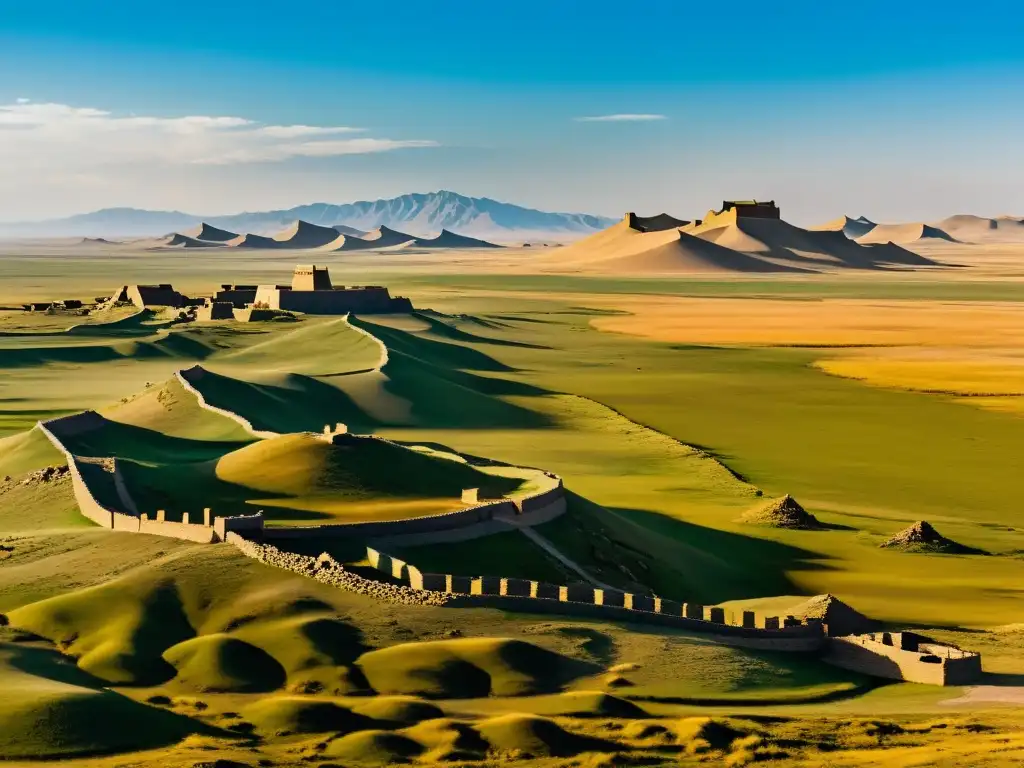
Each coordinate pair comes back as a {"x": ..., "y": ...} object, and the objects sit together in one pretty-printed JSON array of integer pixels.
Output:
[
  {"x": 549, "y": 591},
  {"x": 716, "y": 614},
  {"x": 771, "y": 622},
  {"x": 693, "y": 611},
  {"x": 749, "y": 619},
  {"x": 470, "y": 495},
  {"x": 580, "y": 593},
  {"x": 643, "y": 603},
  {"x": 461, "y": 585},
  {"x": 517, "y": 587},
  {"x": 615, "y": 597}
]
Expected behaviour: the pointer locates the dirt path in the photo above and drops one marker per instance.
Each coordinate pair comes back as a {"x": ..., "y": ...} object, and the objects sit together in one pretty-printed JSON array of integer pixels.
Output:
[{"x": 981, "y": 694}]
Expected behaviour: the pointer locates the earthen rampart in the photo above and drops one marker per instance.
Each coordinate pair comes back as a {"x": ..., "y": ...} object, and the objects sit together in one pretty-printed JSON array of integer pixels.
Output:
[
  {"x": 124, "y": 516},
  {"x": 904, "y": 656},
  {"x": 189, "y": 377}
]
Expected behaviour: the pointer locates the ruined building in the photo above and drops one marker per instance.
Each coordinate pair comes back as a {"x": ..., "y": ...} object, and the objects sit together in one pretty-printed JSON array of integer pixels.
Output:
[
  {"x": 733, "y": 210},
  {"x": 162, "y": 295},
  {"x": 312, "y": 292}
]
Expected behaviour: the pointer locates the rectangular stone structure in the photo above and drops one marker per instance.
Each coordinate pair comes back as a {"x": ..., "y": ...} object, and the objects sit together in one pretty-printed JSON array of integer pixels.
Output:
[
  {"x": 657, "y": 604},
  {"x": 693, "y": 611},
  {"x": 792, "y": 621},
  {"x": 435, "y": 582},
  {"x": 460, "y": 585},
  {"x": 716, "y": 614},
  {"x": 563, "y": 594},
  {"x": 207, "y": 517},
  {"x": 671, "y": 608},
  {"x": 490, "y": 585},
  {"x": 184, "y": 518},
  {"x": 615, "y": 597},
  {"x": 580, "y": 593},
  {"x": 643, "y": 603},
  {"x": 749, "y": 619},
  {"x": 160, "y": 515},
  {"x": 771, "y": 622},
  {"x": 470, "y": 495},
  {"x": 516, "y": 587},
  {"x": 548, "y": 591}
]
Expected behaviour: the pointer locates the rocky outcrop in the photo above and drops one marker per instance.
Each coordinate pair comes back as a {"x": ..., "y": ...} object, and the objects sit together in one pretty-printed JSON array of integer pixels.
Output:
[
  {"x": 327, "y": 570},
  {"x": 922, "y": 537},
  {"x": 782, "y": 513}
]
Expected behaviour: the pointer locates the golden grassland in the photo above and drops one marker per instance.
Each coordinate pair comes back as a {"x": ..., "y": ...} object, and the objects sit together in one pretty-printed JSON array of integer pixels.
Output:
[{"x": 668, "y": 417}]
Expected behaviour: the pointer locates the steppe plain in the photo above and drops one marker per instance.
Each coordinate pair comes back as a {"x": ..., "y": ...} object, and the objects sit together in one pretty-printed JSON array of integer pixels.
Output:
[{"x": 875, "y": 397}]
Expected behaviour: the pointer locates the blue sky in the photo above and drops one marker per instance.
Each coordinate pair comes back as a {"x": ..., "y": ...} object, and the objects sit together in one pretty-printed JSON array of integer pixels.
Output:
[{"x": 906, "y": 110}]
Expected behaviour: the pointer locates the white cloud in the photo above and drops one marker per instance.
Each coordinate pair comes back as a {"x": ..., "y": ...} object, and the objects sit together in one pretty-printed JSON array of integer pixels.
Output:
[
  {"x": 64, "y": 139},
  {"x": 620, "y": 118}
]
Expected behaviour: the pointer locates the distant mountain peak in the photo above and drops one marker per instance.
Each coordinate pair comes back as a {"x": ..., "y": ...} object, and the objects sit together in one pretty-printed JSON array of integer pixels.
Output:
[{"x": 421, "y": 214}]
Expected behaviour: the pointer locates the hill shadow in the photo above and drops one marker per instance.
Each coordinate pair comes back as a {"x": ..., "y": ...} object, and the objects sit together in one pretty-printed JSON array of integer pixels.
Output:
[{"x": 730, "y": 566}]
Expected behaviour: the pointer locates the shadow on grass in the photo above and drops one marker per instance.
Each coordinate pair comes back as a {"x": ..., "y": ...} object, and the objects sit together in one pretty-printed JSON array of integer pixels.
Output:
[{"x": 713, "y": 566}]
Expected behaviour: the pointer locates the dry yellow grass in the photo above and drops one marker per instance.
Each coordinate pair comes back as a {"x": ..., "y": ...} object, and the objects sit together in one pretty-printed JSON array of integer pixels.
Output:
[
  {"x": 828, "y": 322},
  {"x": 973, "y": 351}
]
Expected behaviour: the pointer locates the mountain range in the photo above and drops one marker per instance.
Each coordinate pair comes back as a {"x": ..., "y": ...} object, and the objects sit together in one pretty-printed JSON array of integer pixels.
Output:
[{"x": 419, "y": 214}]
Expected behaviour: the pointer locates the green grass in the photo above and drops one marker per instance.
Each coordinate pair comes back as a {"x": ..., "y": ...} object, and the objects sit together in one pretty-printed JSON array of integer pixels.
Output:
[{"x": 508, "y": 554}]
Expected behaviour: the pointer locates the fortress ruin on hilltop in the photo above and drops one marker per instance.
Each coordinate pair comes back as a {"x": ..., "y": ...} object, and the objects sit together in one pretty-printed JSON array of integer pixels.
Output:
[
  {"x": 732, "y": 210},
  {"x": 311, "y": 292}
]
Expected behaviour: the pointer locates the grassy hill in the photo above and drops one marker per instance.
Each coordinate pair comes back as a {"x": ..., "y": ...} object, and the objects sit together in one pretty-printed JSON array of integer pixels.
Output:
[{"x": 301, "y": 478}]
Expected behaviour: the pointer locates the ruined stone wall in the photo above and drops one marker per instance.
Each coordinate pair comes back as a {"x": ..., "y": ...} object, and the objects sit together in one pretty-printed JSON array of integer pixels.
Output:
[
  {"x": 188, "y": 377},
  {"x": 87, "y": 503},
  {"x": 931, "y": 664},
  {"x": 769, "y": 632},
  {"x": 327, "y": 570},
  {"x": 445, "y": 521}
]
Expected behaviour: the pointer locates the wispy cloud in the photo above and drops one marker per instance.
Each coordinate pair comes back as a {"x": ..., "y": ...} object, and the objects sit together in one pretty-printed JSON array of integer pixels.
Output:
[
  {"x": 73, "y": 139},
  {"x": 620, "y": 118}
]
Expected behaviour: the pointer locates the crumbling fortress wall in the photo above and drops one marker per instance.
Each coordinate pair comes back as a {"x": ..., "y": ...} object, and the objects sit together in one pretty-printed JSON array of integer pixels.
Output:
[
  {"x": 746, "y": 628},
  {"x": 414, "y": 587},
  {"x": 123, "y": 515},
  {"x": 189, "y": 377},
  {"x": 904, "y": 656}
]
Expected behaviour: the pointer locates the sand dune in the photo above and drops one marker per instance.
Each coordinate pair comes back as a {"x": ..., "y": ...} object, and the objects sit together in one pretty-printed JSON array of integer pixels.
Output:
[
  {"x": 96, "y": 241},
  {"x": 449, "y": 239},
  {"x": 302, "y": 234},
  {"x": 254, "y": 241},
  {"x": 178, "y": 240},
  {"x": 978, "y": 229},
  {"x": 210, "y": 233},
  {"x": 623, "y": 249},
  {"x": 852, "y": 228},
  {"x": 385, "y": 237},
  {"x": 657, "y": 223},
  {"x": 904, "y": 233},
  {"x": 341, "y": 229},
  {"x": 780, "y": 239}
]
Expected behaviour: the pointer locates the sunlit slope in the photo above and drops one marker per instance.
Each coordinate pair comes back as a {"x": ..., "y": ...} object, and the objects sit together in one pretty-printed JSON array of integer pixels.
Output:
[
  {"x": 173, "y": 411},
  {"x": 206, "y": 619},
  {"x": 50, "y": 709},
  {"x": 295, "y": 465},
  {"x": 27, "y": 451},
  {"x": 299, "y": 477}
]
